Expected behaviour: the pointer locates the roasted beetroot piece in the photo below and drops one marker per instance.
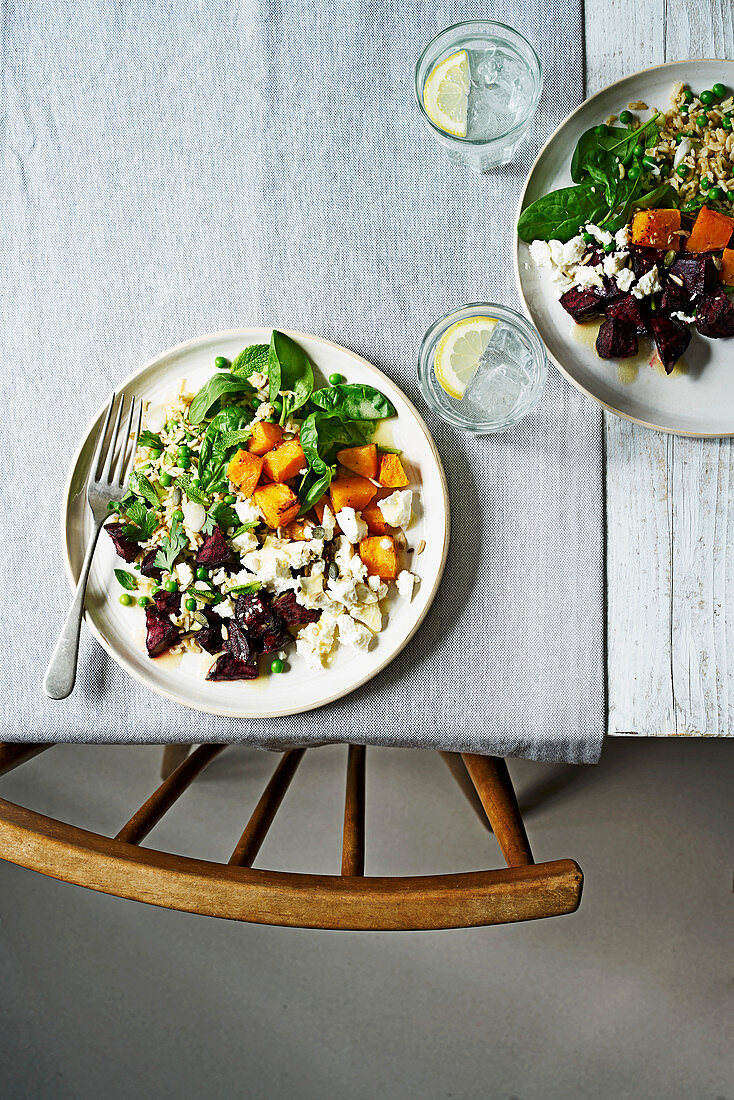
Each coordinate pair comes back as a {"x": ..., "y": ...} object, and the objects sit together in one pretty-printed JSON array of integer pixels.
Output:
[
  {"x": 676, "y": 299},
  {"x": 671, "y": 339},
  {"x": 581, "y": 304},
  {"x": 697, "y": 272},
  {"x": 214, "y": 551},
  {"x": 291, "y": 612},
  {"x": 168, "y": 603},
  {"x": 148, "y": 567},
  {"x": 239, "y": 643},
  {"x": 608, "y": 291},
  {"x": 255, "y": 615},
  {"x": 162, "y": 634},
  {"x": 645, "y": 259},
  {"x": 715, "y": 316},
  {"x": 274, "y": 638},
  {"x": 228, "y": 667},
  {"x": 633, "y": 311},
  {"x": 210, "y": 637},
  {"x": 616, "y": 340},
  {"x": 127, "y": 549}
]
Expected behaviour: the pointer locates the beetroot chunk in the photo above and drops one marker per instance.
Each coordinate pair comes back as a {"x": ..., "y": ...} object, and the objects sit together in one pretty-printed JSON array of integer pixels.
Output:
[
  {"x": 616, "y": 340},
  {"x": 645, "y": 259},
  {"x": 632, "y": 311},
  {"x": 148, "y": 567},
  {"x": 239, "y": 644},
  {"x": 671, "y": 339},
  {"x": 255, "y": 615},
  {"x": 210, "y": 637},
  {"x": 126, "y": 548},
  {"x": 697, "y": 272},
  {"x": 161, "y": 635},
  {"x": 214, "y": 551},
  {"x": 715, "y": 316},
  {"x": 168, "y": 603},
  {"x": 676, "y": 299},
  {"x": 581, "y": 304},
  {"x": 228, "y": 667},
  {"x": 291, "y": 612}
]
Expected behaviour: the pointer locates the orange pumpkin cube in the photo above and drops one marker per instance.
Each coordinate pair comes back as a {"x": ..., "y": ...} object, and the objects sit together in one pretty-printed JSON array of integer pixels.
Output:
[
  {"x": 374, "y": 518},
  {"x": 657, "y": 229},
  {"x": 264, "y": 437},
  {"x": 392, "y": 475},
  {"x": 285, "y": 462},
  {"x": 726, "y": 273},
  {"x": 379, "y": 553},
  {"x": 244, "y": 471},
  {"x": 297, "y": 529},
  {"x": 351, "y": 492},
  {"x": 278, "y": 504},
  {"x": 360, "y": 460},
  {"x": 711, "y": 231}
]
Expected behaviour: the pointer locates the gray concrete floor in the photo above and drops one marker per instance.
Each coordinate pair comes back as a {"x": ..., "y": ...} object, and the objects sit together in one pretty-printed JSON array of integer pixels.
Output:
[{"x": 630, "y": 997}]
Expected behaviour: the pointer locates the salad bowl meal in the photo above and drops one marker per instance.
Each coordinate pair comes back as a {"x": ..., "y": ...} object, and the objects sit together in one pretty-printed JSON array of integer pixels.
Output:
[
  {"x": 625, "y": 253},
  {"x": 284, "y": 529}
]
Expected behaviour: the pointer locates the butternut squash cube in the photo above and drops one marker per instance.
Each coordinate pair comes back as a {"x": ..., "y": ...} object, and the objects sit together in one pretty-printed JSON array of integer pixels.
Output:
[
  {"x": 278, "y": 504},
  {"x": 351, "y": 492},
  {"x": 285, "y": 462},
  {"x": 711, "y": 231},
  {"x": 373, "y": 517},
  {"x": 264, "y": 437},
  {"x": 657, "y": 229},
  {"x": 392, "y": 475},
  {"x": 379, "y": 553},
  {"x": 360, "y": 460},
  {"x": 726, "y": 274},
  {"x": 297, "y": 528},
  {"x": 244, "y": 470}
]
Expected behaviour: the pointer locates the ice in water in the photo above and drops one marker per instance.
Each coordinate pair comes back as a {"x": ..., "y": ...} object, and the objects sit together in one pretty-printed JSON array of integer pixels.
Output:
[
  {"x": 500, "y": 88},
  {"x": 503, "y": 377}
]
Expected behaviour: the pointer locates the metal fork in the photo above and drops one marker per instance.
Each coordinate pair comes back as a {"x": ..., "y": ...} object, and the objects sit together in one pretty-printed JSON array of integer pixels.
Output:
[{"x": 102, "y": 488}]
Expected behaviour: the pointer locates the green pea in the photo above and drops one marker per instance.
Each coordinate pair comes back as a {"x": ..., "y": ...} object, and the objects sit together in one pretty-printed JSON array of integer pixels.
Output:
[
  {"x": 190, "y": 604},
  {"x": 155, "y": 452},
  {"x": 683, "y": 110},
  {"x": 278, "y": 405},
  {"x": 719, "y": 90},
  {"x": 705, "y": 182},
  {"x": 678, "y": 139},
  {"x": 171, "y": 586},
  {"x": 702, "y": 121},
  {"x": 230, "y": 498},
  {"x": 600, "y": 130},
  {"x": 625, "y": 118},
  {"x": 634, "y": 171},
  {"x": 165, "y": 480},
  {"x": 682, "y": 171},
  {"x": 221, "y": 363},
  {"x": 726, "y": 122},
  {"x": 257, "y": 402},
  {"x": 171, "y": 425},
  {"x": 277, "y": 665},
  {"x": 716, "y": 193},
  {"x": 688, "y": 95},
  {"x": 126, "y": 599},
  {"x": 178, "y": 514},
  {"x": 588, "y": 237},
  {"x": 336, "y": 379},
  {"x": 155, "y": 590},
  {"x": 202, "y": 573},
  {"x": 144, "y": 602},
  {"x": 707, "y": 97},
  {"x": 730, "y": 196}
]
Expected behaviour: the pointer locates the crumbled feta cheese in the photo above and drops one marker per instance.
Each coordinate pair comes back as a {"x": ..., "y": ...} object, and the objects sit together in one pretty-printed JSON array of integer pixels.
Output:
[
  {"x": 328, "y": 522},
  {"x": 299, "y": 553},
  {"x": 405, "y": 583},
  {"x": 194, "y": 515},
  {"x": 344, "y": 590},
  {"x": 622, "y": 237},
  {"x": 374, "y": 582},
  {"x": 540, "y": 253},
  {"x": 270, "y": 566},
  {"x": 365, "y": 594},
  {"x": 352, "y": 633},
  {"x": 247, "y": 511},
  {"x": 600, "y": 235},
  {"x": 614, "y": 262},
  {"x": 225, "y": 609},
  {"x": 348, "y": 563},
  {"x": 625, "y": 278},
  {"x": 573, "y": 251},
  {"x": 561, "y": 282},
  {"x": 556, "y": 252},
  {"x": 311, "y": 592},
  {"x": 684, "y": 317},
  {"x": 396, "y": 509},
  {"x": 587, "y": 276},
  {"x": 184, "y": 575},
  {"x": 648, "y": 284},
  {"x": 370, "y": 615},
  {"x": 315, "y": 641},
  {"x": 245, "y": 542},
  {"x": 352, "y": 524}
]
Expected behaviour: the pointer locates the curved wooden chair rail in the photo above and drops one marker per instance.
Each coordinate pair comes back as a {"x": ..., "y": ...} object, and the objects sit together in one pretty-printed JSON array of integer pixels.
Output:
[{"x": 118, "y": 865}]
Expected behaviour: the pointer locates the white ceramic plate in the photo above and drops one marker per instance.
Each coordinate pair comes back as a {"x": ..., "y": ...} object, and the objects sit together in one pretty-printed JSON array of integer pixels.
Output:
[
  {"x": 121, "y": 630},
  {"x": 699, "y": 402}
]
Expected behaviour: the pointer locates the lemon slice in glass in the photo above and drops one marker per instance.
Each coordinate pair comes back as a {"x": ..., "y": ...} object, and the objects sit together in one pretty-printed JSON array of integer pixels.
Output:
[
  {"x": 446, "y": 94},
  {"x": 458, "y": 353}
]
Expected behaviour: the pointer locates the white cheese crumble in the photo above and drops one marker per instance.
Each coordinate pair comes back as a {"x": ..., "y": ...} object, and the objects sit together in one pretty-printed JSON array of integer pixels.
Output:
[
  {"x": 315, "y": 641},
  {"x": 648, "y": 284},
  {"x": 684, "y": 317},
  {"x": 602, "y": 236},
  {"x": 245, "y": 542},
  {"x": 397, "y": 508},
  {"x": 625, "y": 278},
  {"x": 614, "y": 262},
  {"x": 328, "y": 522},
  {"x": 184, "y": 575},
  {"x": 352, "y": 633},
  {"x": 405, "y": 583},
  {"x": 247, "y": 511},
  {"x": 352, "y": 524}
]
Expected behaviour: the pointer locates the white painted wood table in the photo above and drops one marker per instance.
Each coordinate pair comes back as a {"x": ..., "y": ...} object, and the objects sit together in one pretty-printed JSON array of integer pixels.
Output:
[{"x": 670, "y": 551}]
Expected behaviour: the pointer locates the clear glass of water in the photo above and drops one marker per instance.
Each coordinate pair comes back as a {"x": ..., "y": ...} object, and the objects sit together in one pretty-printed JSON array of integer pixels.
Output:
[
  {"x": 509, "y": 378},
  {"x": 499, "y": 73}
]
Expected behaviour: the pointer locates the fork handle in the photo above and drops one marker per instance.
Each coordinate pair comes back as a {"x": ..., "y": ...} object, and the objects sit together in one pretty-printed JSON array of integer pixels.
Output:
[{"x": 61, "y": 672}]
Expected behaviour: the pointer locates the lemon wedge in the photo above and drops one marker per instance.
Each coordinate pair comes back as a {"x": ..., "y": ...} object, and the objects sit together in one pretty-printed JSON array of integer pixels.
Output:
[
  {"x": 446, "y": 94},
  {"x": 458, "y": 353}
]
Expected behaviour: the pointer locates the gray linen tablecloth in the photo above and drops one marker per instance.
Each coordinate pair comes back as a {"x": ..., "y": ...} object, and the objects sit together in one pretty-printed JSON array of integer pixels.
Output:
[{"x": 172, "y": 169}]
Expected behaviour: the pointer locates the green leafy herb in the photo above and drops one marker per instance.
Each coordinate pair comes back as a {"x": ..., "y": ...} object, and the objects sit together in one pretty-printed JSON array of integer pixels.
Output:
[
  {"x": 289, "y": 369},
  {"x": 252, "y": 359},
  {"x": 220, "y": 515},
  {"x": 245, "y": 589},
  {"x": 242, "y": 528},
  {"x": 171, "y": 547},
  {"x": 127, "y": 580},
  {"x": 228, "y": 440},
  {"x": 142, "y": 521},
  {"x": 193, "y": 492},
  {"x": 215, "y": 449},
  {"x": 149, "y": 439},
  {"x": 217, "y": 387},
  {"x": 140, "y": 485},
  {"x": 205, "y": 595},
  {"x": 354, "y": 401}
]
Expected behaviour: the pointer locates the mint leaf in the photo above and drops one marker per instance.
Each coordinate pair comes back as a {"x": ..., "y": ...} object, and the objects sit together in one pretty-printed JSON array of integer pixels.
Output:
[
  {"x": 252, "y": 359},
  {"x": 143, "y": 488},
  {"x": 251, "y": 526},
  {"x": 171, "y": 547},
  {"x": 220, "y": 515},
  {"x": 245, "y": 589},
  {"x": 193, "y": 492},
  {"x": 127, "y": 580}
]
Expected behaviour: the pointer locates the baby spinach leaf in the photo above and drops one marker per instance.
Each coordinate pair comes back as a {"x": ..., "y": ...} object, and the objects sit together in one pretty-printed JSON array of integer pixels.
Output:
[
  {"x": 213, "y": 390},
  {"x": 215, "y": 447},
  {"x": 354, "y": 401},
  {"x": 127, "y": 580},
  {"x": 252, "y": 359},
  {"x": 662, "y": 196},
  {"x": 289, "y": 369},
  {"x": 560, "y": 214},
  {"x": 596, "y": 152},
  {"x": 143, "y": 488},
  {"x": 149, "y": 439},
  {"x": 313, "y": 490},
  {"x": 171, "y": 546}
]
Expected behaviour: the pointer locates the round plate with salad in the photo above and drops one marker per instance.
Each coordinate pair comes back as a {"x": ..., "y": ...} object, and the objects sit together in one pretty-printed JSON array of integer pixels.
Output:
[
  {"x": 625, "y": 247},
  {"x": 284, "y": 530}
]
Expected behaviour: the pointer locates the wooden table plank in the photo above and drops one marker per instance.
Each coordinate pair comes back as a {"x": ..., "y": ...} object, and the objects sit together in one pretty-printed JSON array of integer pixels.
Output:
[{"x": 668, "y": 553}]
